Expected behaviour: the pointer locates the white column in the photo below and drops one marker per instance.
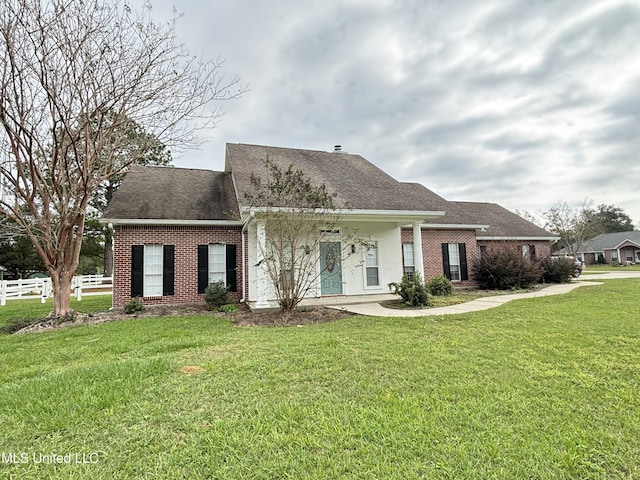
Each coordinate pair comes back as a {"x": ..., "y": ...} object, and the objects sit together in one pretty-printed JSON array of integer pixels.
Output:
[
  {"x": 261, "y": 271},
  {"x": 418, "y": 262}
]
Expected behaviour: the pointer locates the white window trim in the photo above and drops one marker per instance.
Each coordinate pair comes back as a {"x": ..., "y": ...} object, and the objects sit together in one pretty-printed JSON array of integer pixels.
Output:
[
  {"x": 364, "y": 266},
  {"x": 224, "y": 263},
  {"x": 451, "y": 264},
  {"x": 405, "y": 265},
  {"x": 145, "y": 275}
]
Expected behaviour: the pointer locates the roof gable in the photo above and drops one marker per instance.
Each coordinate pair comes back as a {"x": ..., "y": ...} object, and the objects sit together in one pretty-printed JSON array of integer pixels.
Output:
[{"x": 357, "y": 182}]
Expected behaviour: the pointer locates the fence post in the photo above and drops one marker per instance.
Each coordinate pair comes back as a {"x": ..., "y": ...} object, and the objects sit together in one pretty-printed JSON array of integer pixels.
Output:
[
  {"x": 78, "y": 284},
  {"x": 19, "y": 287},
  {"x": 3, "y": 293},
  {"x": 45, "y": 291}
]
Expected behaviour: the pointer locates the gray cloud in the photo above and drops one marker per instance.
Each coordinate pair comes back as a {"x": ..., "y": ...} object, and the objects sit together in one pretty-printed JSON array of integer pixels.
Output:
[{"x": 522, "y": 103}]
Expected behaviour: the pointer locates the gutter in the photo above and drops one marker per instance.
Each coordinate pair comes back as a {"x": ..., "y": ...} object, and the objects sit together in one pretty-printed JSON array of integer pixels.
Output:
[
  {"x": 164, "y": 221},
  {"x": 515, "y": 237}
]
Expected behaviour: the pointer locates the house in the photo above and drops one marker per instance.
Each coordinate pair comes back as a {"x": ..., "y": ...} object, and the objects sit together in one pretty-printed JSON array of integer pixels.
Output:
[
  {"x": 176, "y": 230},
  {"x": 611, "y": 248}
]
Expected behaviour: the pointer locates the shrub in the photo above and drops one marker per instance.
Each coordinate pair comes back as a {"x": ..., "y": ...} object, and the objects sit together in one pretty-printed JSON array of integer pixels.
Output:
[
  {"x": 413, "y": 292},
  {"x": 505, "y": 269},
  {"x": 133, "y": 306},
  {"x": 228, "y": 308},
  {"x": 440, "y": 286},
  {"x": 601, "y": 259},
  {"x": 557, "y": 270},
  {"x": 216, "y": 295}
]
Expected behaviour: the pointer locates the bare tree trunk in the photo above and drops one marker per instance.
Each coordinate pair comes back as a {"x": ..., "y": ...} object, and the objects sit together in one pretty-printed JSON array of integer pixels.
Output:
[{"x": 61, "y": 294}]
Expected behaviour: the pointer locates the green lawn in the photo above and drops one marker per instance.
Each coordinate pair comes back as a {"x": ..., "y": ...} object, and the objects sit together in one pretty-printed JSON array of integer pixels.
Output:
[
  {"x": 33, "y": 309},
  {"x": 609, "y": 268},
  {"x": 543, "y": 388}
]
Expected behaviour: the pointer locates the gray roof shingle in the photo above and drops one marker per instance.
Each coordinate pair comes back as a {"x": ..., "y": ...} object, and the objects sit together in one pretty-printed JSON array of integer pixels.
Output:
[
  {"x": 166, "y": 193},
  {"x": 608, "y": 241},
  {"x": 502, "y": 222},
  {"x": 358, "y": 183}
]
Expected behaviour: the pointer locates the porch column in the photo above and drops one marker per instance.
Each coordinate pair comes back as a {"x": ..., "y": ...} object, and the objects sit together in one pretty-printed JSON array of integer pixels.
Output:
[
  {"x": 418, "y": 262},
  {"x": 261, "y": 272}
]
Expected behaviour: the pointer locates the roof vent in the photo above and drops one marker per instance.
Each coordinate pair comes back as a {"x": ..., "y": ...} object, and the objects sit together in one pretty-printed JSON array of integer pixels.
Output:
[{"x": 337, "y": 148}]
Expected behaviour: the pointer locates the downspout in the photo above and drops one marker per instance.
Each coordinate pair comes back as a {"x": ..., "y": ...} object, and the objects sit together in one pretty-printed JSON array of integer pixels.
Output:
[{"x": 244, "y": 261}]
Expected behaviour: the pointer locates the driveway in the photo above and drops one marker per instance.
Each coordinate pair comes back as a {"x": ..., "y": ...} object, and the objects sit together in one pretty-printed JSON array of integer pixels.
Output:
[{"x": 377, "y": 310}]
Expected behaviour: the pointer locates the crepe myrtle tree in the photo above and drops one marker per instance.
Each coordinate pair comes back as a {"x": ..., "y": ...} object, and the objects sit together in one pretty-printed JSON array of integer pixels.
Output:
[
  {"x": 75, "y": 77},
  {"x": 297, "y": 216}
]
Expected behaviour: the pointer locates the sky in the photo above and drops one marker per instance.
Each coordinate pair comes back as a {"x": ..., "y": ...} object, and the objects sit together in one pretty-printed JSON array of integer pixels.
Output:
[{"x": 520, "y": 102}]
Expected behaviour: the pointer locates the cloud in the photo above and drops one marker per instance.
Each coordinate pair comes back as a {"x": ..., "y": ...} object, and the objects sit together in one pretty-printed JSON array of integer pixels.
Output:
[{"x": 522, "y": 102}]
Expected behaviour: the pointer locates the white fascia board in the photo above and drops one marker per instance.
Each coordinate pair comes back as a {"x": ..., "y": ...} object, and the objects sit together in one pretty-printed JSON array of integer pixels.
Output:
[
  {"x": 452, "y": 226},
  {"x": 548, "y": 239},
  {"x": 356, "y": 214},
  {"x": 158, "y": 221}
]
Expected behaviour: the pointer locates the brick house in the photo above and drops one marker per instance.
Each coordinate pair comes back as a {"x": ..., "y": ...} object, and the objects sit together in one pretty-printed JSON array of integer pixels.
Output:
[
  {"x": 612, "y": 248},
  {"x": 176, "y": 230}
]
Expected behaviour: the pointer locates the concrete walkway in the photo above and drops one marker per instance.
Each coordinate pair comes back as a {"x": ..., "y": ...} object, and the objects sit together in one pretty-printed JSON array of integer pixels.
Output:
[{"x": 377, "y": 310}]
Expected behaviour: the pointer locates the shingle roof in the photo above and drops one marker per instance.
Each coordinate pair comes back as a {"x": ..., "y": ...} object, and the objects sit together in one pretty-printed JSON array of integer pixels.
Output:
[
  {"x": 608, "y": 241},
  {"x": 167, "y": 193},
  {"x": 358, "y": 183},
  {"x": 502, "y": 222}
]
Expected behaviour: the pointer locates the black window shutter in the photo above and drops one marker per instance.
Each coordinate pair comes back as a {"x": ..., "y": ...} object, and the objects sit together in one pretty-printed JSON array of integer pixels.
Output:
[
  {"x": 232, "y": 284},
  {"x": 167, "y": 270},
  {"x": 445, "y": 261},
  {"x": 464, "y": 271},
  {"x": 203, "y": 267},
  {"x": 137, "y": 270}
]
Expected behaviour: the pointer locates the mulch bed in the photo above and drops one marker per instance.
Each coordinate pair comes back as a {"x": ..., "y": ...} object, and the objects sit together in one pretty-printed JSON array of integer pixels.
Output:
[{"x": 243, "y": 317}]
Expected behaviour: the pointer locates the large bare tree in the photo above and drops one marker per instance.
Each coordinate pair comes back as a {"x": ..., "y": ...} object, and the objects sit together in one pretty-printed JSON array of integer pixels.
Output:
[{"x": 75, "y": 76}]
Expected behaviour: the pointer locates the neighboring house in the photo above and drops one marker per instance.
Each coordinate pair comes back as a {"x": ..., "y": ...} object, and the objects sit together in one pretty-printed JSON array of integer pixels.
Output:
[
  {"x": 618, "y": 247},
  {"x": 176, "y": 230}
]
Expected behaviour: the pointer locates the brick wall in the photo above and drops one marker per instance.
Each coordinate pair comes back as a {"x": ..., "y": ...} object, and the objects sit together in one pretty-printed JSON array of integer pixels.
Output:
[
  {"x": 186, "y": 240},
  {"x": 543, "y": 248},
  {"x": 432, "y": 241}
]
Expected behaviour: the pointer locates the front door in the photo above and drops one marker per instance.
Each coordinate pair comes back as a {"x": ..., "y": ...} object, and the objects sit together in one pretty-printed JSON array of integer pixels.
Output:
[{"x": 330, "y": 268}]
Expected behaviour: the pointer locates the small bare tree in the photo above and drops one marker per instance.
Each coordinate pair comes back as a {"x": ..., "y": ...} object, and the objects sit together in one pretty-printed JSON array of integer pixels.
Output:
[
  {"x": 297, "y": 217},
  {"x": 75, "y": 76},
  {"x": 570, "y": 224}
]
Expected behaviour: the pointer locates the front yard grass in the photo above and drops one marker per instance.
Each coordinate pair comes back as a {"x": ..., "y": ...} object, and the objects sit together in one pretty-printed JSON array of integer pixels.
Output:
[
  {"x": 608, "y": 268},
  {"x": 32, "y": 309},
  {"x": 538, "y": 388}
]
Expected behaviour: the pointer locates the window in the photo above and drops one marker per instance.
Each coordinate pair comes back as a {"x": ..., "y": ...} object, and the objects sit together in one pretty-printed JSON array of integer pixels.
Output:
[
  {"x": 407, "y": 260},
  {"x": 152, "y": 270},
  {"x": 529, "y": 251},
  {"x": 629, "y": 255},
  {"x": 454, "y": 261},
  {"x": 217, "y": 263},
  {"x": 371, "y": 264}
]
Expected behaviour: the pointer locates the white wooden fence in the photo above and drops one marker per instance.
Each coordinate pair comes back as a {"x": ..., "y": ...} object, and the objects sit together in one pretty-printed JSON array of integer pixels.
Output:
[{"x": 41, "y": 287}]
